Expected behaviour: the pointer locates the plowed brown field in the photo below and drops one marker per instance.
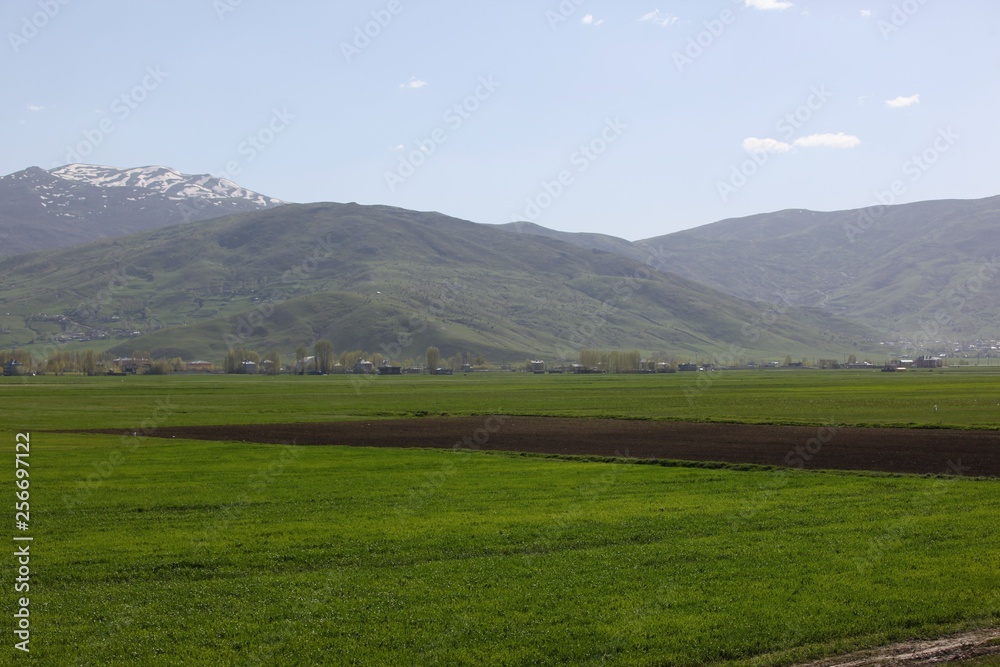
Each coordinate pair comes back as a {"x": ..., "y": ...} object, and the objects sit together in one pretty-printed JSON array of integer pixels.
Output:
[{"x": 973, "y": 453}]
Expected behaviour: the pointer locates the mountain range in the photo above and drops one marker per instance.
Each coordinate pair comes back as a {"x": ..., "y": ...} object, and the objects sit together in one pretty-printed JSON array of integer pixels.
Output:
[
  {"x": 925, "y": 272},
  {"x": 165, "y": 273}
]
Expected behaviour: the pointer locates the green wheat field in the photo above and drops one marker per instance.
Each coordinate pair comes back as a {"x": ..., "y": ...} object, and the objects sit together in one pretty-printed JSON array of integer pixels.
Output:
[{"x": 151, "y": 551}]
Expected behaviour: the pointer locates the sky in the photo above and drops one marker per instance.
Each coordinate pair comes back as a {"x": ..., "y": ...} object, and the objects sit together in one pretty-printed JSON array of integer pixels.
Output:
[{"x": 630, "y": 118}]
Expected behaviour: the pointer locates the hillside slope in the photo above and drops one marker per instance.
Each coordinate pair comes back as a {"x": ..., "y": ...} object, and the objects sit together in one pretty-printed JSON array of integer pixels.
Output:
[
  {"x": 381, "y": 279},
  {"x": 911, "y": 270},
  {"x": 923, "y": 272}
]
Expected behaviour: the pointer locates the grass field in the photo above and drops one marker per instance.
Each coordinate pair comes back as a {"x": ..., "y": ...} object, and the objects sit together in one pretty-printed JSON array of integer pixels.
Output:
[
  {"x": 965, "y": 399},
  {"x": 151, "y": 551}
]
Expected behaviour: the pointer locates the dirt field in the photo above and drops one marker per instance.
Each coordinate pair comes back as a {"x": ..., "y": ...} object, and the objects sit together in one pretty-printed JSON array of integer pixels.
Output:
[
  {"x": 972, "y": 646},
  {"x": 972, "y": 453}
]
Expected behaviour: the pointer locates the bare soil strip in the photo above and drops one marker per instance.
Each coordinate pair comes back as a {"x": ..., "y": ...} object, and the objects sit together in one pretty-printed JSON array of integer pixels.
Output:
[
  {"x": 954, "y": 649},
  {"x": 912, "y": 451}
]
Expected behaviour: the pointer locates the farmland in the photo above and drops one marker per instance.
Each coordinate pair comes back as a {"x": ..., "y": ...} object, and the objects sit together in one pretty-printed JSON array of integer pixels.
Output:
[{"x": 156, "y": 550}]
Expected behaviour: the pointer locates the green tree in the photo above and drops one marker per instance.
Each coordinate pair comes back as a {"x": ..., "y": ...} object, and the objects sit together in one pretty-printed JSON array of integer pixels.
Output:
[
  {"x": 350, "y": 359},
  {"x": 301, "y": 352},
  {"x": 274, "y": 357},
  {"x": 88, "y": 363},
  {"x": 237, "y": 358},
  {"x": 433, "y": 358},
  {"x": 160, "y": 368},
  {"x": 589, "y": 358},
  {"x": 323, "y": 349}
]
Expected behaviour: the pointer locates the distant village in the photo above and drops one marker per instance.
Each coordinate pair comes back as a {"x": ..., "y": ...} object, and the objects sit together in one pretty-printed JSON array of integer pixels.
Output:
[{"x": 321, "y": 361}]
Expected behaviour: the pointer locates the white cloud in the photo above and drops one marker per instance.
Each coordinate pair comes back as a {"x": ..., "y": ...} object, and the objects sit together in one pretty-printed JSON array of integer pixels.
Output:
[
  {"x": 755, "y": 145},
  {"x": 839, "y": 140},
  {"x": 35, "y": 107},
  {"x": 660, "y": 18},
  {"x": 901, "y": 101},
  {"x": 866, "y": 13},
  {"x": 398, "y": 147},
  {"x": 590, "y": 20},
  {"x": 768, "y": 4},
  {"x": 413, "y": 83}
]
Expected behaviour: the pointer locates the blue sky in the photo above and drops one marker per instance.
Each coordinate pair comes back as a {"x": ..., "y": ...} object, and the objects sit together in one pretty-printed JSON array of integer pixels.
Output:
[{"x": 628, "y": 118}]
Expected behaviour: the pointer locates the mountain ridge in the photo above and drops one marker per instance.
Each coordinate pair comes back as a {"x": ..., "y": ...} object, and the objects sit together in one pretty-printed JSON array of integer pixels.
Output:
[
  {"x": 380, "y": 277},
  {"x": 920, "y": 272}
]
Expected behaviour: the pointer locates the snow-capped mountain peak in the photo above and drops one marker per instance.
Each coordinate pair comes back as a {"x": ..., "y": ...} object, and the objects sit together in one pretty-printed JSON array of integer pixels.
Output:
[
  {"x": 75, "y": 203},
  {"x": 166, "y": 181}
]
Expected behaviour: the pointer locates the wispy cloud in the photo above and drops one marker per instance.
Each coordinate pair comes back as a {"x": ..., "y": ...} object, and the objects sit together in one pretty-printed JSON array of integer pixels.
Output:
[
  {"x": 35, "y": 107},
  {"x": 839, "y": 140},
  {"x": 414, "y": 83},
  {"x": 866, "y": 13},
  {"x": 901, "y": 101},
  {"x": 590, "y": 20},
  {"x": 768, "y": 4},
  {"x": 659, "y": 18}
]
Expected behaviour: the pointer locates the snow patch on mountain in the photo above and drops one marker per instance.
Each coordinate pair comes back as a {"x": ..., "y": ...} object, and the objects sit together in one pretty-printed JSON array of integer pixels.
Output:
[{"x": 163, "y": 180}]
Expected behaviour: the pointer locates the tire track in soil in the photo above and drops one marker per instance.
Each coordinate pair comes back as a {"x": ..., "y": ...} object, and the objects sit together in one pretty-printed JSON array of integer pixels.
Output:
[{"x": 947, "y": 650}]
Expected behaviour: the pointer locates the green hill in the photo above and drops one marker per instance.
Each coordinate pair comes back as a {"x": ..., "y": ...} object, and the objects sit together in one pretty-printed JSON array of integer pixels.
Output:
[
  {"x": 912, "y": 270},
  {"x": 924, "y": 272},
  {"x": 381, "y": 279}
]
